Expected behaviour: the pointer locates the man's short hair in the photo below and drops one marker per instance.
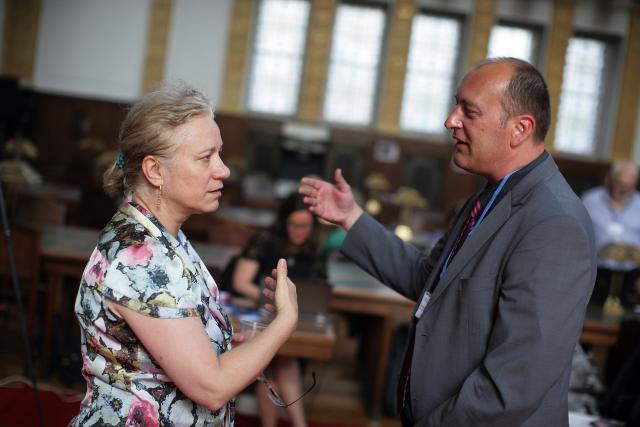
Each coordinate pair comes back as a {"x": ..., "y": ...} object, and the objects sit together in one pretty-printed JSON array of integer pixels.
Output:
[{"x": 526, "y": 93}]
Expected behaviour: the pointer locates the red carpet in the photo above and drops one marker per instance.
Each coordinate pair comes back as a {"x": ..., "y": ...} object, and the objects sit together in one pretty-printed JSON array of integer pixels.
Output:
[{"x": 17, "y": 409}]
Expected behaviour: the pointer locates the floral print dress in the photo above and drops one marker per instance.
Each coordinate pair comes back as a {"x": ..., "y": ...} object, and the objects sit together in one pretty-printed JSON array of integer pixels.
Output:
[{"x": 139, "y": 265}]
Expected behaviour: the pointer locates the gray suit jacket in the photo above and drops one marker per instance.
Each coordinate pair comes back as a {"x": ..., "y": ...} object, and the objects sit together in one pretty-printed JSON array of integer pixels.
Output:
[{"x": 494, "y": 345}]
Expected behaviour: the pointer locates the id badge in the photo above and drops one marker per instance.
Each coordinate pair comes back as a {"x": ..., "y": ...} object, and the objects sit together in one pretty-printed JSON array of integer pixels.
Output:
[{"x": 423, "y": 304}]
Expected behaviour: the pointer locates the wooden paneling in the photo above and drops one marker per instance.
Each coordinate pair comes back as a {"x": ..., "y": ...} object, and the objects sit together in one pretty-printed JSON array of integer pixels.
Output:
[
  {"x": 59, "y": 128},
  {"x": 56, "y": 133}
]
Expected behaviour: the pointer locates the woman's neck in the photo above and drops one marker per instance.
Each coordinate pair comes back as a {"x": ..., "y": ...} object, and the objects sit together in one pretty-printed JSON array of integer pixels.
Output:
[{"x": 161, "y": 213}]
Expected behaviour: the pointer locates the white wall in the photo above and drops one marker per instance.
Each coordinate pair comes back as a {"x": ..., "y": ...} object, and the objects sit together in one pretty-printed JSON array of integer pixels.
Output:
[
  {"x": 198, "y": 43},
  {"x": 92, "y": 48}
]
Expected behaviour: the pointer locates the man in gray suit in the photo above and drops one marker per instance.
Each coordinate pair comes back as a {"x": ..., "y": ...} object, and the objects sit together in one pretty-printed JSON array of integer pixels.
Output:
[{"x": 502, "y": 297}]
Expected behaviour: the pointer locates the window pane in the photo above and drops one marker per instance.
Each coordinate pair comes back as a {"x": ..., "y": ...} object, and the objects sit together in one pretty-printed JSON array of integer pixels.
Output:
[
  {"x": 353, "y": 69},
  {"x": 578, "y": 111},
  {"x": 277, "y": 62},
  {"x": 511, "y": 41},
  {"x": 433, "y": 51}
]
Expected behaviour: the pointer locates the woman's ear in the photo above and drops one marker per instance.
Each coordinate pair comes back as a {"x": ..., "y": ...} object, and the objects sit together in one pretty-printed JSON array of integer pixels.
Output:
[{"x": 152, "y": 170}]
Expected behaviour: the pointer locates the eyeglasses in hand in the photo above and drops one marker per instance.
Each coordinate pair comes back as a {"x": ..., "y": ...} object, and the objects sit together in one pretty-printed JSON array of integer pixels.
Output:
[{"x": 275, "y": 397}]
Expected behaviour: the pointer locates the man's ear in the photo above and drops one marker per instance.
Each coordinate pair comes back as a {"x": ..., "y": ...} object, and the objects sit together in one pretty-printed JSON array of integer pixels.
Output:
[
  {"x": 151, "y": 169},
  {"x": 522, "y": 129}
]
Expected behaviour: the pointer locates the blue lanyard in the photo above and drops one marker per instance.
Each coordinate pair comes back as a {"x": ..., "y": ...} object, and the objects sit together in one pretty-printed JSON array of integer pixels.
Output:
[{"x": 503, "y": 181}]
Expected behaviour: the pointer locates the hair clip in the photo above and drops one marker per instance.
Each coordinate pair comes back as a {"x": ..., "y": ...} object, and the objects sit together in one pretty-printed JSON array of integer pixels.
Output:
[{"x": 120, "y": 160}]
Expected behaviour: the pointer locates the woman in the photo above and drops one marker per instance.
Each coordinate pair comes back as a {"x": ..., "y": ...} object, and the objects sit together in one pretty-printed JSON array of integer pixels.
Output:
[
  {"x": 294, "y": 239},
  {"x": 156, "y": 344}
]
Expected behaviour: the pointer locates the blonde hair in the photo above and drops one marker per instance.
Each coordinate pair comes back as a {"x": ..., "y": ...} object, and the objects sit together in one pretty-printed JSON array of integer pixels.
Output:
[{"x": 146, "y": 131}]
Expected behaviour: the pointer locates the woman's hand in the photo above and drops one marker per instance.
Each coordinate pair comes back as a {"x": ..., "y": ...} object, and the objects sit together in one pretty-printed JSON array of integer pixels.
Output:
[
  {"x": 282, "y": 292},
  {"x": 237, "y": 338}
]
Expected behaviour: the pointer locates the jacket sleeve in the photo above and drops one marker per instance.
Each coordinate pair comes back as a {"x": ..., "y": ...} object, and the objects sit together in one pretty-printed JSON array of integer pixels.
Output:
[
  {"x": 545, "y": 287},
  {"x": 393, "y": 262}
]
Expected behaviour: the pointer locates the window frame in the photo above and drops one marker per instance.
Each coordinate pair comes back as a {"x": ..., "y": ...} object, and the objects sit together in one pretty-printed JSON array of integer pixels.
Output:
[
  {"x": 607, "y": 100},
  {"x": 252, "y": 59},
  {"x": 538, "y": 37},
  {"x": 377, "y": 94},
  {"x": 458, "y": 73}
]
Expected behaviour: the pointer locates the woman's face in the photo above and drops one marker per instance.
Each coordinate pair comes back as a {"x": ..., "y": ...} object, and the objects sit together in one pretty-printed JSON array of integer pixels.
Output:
[
  {"x": 193, "y": 175},
  {"x": 299, "y": 227}
]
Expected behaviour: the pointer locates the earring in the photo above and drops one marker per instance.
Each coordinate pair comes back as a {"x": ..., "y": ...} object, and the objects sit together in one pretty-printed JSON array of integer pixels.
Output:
[{"x": 158, "y": 196}]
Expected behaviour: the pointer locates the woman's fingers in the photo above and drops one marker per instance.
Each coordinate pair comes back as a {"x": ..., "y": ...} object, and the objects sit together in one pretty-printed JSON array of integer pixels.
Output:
[
  {"x": 237, "y": 338},
  {"x": 270, "y": 283},
  {"x": 268, "y": 293}
]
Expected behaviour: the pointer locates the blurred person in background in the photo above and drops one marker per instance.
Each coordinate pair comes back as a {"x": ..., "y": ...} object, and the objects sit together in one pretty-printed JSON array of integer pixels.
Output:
[
  {"x": 294, "y": 238},
  {"x": 614, "y": 209}
]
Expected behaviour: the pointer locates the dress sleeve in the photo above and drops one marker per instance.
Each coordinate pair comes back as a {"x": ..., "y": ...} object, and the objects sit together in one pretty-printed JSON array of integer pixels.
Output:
[{"x": 151, "y": 279}]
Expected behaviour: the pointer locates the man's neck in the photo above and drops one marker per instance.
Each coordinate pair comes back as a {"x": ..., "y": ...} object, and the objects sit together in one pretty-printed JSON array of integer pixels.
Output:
[{"x": 518, "y": 162}]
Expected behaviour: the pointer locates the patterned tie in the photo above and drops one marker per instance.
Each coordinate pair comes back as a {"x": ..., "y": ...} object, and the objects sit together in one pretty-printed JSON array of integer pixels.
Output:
[
  {"x": 471, "y": 222},
  {"x": 405, "y": 373}
]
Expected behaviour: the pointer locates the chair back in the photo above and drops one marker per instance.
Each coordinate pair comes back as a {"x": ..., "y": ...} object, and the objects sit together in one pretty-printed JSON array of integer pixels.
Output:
[
  {"x": 40, "y": 211},
  {"x": 314, "y": 297}
]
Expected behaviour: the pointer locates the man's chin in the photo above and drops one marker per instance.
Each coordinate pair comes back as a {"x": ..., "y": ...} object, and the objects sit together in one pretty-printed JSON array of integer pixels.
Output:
[{"x": 458, "y": 165}]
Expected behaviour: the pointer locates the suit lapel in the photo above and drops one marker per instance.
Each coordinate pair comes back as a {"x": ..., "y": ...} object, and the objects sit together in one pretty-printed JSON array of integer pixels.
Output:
[
  {"x": 485, "y": 230},
  {"x": 489, "y": 226},
  {"x": 451, "y": 239}
]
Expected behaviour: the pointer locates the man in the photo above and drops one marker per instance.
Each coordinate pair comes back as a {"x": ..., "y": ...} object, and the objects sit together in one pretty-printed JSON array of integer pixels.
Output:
[
  {"x": 615, "y": 211},
  {"x": 501, "y": 298}
]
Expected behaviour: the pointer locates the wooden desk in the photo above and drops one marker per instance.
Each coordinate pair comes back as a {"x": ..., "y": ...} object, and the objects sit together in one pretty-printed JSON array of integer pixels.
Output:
[
  {"x": 314, "y": 341},
  {"x": 355, "y": 291},
  {"x": 310, "y": 341},
  {"x": 601, "y": 333}
]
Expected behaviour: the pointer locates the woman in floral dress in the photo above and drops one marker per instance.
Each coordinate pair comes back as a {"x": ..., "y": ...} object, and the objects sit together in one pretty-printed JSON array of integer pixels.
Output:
[{"x": 156, "y": 345}]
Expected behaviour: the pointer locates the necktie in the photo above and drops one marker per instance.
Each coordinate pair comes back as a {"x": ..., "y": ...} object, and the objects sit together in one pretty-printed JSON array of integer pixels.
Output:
[
  {"x": 471, "y": 222},
  {"x": 405, "y": 373}
]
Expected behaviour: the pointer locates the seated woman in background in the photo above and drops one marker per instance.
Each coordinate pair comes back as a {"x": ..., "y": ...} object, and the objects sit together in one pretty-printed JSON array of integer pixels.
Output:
[
  {"x": 293, "y": 238},
  {"x": 156, "y": 345}
]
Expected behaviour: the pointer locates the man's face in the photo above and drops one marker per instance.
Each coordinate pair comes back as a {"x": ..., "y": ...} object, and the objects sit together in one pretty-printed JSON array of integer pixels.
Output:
[
  {"x": 622, "y": 184},
  {"x": 481, "y": 137}
]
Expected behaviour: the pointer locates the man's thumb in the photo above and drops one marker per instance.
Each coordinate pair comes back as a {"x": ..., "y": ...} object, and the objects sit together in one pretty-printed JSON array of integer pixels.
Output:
[{"x": 341, "y": 183}]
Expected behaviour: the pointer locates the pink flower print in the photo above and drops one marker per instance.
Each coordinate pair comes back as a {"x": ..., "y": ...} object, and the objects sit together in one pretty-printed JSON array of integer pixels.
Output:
[
  {"x": 86, "y": 373},
  {"x": 142, "y": 413},
  {"x": 97, "y": 266},
  {"x": 137, "y": 254}
]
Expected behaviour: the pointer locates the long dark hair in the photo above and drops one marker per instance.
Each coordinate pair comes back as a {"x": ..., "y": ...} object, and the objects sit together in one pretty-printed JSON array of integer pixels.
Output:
[{"x": 291, "y": 204}]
